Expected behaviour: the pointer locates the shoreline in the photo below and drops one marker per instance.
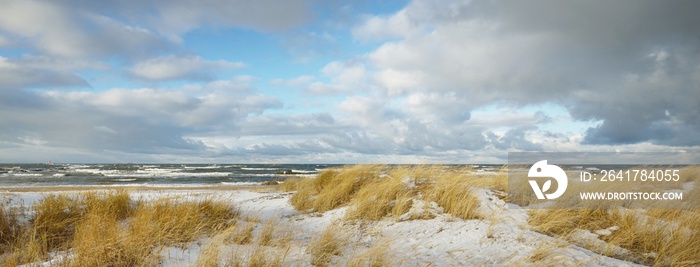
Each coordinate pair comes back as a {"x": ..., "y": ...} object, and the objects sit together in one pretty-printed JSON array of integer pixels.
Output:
[{"x": 43, "y": 189}]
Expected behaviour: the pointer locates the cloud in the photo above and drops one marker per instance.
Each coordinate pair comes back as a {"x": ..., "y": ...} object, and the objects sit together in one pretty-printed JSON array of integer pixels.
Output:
[
  {"x": 4, "y": 42},
  {"x": 294, "y": 82},
  {"x": 382, "y": 28},
  {"x": 448, "y": 80},
  {"x": 307, "y": 46},
  {"x": 174, "y": 18},
  {"x": 148, "y": 121},
  {"x": 63, "y": 31},
  {"x": 345, "y": 77},
  {"x": 19, "y": 74},
  {"x": 306, "y": 125},
  {"x": 180, "y": 68},
  {"x": 135, "y": 28},
  {"x": 602, "y": 61}
]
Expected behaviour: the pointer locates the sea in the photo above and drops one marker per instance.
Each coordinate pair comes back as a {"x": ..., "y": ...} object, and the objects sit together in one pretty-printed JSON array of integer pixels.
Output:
[
  {"x": 171, "y": 175},
  {"x": 191, "y": 175}
]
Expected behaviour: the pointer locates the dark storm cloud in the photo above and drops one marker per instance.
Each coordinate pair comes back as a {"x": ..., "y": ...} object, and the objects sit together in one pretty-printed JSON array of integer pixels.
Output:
[{"x": 632, "y": 65}]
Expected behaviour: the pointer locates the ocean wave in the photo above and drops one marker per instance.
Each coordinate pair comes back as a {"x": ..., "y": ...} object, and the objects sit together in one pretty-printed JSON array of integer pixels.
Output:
[
  {"x": 125, "y": 180},
  {"x": 171, "y": 174},
  {"x": 149, "y": 166},
  {"x": 27, "y": 174},
  {"x": 78, "y": 166},
  {"x": 203, "y": 167},
  {"x": 158, "y": 170},
  {"x": 151, "y": 172},
  {"x": 259, "y": 175},
  {"x": 259, "y": 169}
]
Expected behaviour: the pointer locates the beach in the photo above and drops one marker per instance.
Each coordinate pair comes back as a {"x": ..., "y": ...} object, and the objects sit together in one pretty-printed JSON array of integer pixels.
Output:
[
  {"x": 441, "y": 241},
  {"x": 409, "y": 222}
]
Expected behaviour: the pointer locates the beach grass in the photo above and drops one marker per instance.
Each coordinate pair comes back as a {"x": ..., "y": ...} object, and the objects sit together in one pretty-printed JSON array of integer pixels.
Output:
[
  {"x": 377, "y": 191},
  {"x": 378, "y": 255},
  {"x": 324, "y": 247},
  {"x": 658, "y": 236},
  {"x": 654, "y": 237},
  {"x": 238, "y": 245},
  {"x": 111, "y": 229},
  {"x": 373, "y": 192}
]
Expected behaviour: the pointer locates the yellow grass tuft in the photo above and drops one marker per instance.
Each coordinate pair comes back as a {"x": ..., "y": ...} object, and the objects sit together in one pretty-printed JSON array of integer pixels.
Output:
[
  {"x": 273, "y": 233},
  {"x": 375, "y": 191},
  {"x": 375, "y": 256},
  {"x": 647, "y": 234},
  {"x": 675, "y": 240},
  {"x": 261, "y": 258},
  {"x": 10, "y": 228},
  {"x": 333, "y": 188},
  {"x": 305, "y": 191},
  {"x": 243, "y": 234},
  {"x": 545, "y": 255},
  {"x": 209, "y": 255},
  {"x": 690, "y": 174},
  {"x": 109, "y": 229},
  {"x": 100, "y": 240},
  {"x": 265, "y": 252},
  {"x": 323, "y": 248},
  {"x": 292, "y": 184},
  {"x": 115, "y": 203},
  {"x": 337, "y": 187},
  {"x": 453, "y": 193},
  {"x": 381, "y": 197},
  {"x": 54, "y": 223}
]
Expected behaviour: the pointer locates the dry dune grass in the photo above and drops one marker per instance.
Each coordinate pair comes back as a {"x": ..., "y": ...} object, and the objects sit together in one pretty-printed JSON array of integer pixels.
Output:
[
  {"x": 663, "y": 236},
  {"x": 658, "y": 237},
  {"x": 675, "y": 240},
  {"x": 453, "y": 193},
  {"x": 690, "y": 174},
  {"x": 237, "y": 245},
  {"x": 109, "y": 229},
  {"x": 376, "y": 191},
  {"x": 10, "y": 227},
  {"x": 323, "y": 248},
  {"x": 381, "y": 197},
  {"x": 274, "y": 233},
  {"x": 376, "y": 256},
  {"x": 337, "y": 187},
  {"x": 545, "y": 254}
]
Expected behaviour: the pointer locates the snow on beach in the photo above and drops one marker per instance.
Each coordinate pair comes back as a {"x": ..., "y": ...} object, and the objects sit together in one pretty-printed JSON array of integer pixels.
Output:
[{"x": 504, "y": 238}]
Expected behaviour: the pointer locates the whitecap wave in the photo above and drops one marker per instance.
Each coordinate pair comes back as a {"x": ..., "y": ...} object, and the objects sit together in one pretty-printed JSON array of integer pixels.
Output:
[
  {"x": 259, "y": 169},
  {"x": 125, "y": 180},
  {"x": 27, "y": 174}
]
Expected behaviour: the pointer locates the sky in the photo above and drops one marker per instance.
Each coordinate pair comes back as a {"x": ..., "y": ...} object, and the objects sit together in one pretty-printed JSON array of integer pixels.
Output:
[{"x": 296, "y": 81}]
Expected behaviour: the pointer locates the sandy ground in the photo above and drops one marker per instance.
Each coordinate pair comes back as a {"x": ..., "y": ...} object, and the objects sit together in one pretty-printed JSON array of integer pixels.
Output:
[{"x": 504, "y": 238}]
